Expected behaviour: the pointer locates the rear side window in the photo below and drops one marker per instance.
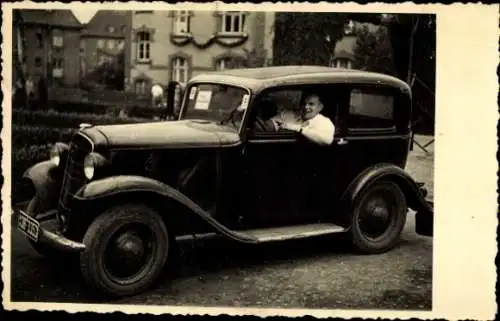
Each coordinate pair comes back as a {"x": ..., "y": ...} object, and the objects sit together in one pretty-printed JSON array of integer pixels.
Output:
[{"x": 370, "y": 110}]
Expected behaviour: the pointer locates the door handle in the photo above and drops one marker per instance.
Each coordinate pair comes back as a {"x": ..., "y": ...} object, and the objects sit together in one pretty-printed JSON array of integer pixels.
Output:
[{"x": 342, "y": 141}]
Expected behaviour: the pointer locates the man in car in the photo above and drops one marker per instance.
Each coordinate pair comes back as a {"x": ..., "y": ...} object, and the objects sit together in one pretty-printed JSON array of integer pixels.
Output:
[{"x": 310, "y": 123}]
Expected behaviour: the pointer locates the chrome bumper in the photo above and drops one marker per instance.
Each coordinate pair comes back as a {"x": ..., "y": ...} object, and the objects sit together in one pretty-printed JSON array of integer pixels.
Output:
[{"x": 46, "y": 237}]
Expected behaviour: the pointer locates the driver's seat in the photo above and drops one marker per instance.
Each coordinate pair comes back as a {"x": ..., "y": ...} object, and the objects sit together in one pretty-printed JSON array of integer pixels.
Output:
[{"x": 265, "y": 111}]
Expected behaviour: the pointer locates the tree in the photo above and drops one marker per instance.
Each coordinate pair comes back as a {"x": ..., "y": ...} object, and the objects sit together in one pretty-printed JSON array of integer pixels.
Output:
[
  {"x": 109, "y": 74},
  {"x": 306, "y": 38},
  {"x": 373, "y": 51},
  {"x": 413, "y": 43},
  {"x": 257, "y": 57}
]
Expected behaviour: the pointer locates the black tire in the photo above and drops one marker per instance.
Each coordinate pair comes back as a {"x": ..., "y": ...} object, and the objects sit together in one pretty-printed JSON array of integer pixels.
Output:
[
  {"x": 97, "y": 266},
  {"x": 384, "y": 192},
  {"x": 46, "y": 251}
]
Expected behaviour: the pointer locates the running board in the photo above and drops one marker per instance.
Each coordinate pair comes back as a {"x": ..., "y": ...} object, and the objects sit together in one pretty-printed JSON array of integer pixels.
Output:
[{"x": 275, "y": 234}]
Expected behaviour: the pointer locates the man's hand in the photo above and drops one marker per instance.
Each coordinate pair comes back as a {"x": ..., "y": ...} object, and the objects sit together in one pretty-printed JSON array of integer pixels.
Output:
[{"x": 288, "y": 126}]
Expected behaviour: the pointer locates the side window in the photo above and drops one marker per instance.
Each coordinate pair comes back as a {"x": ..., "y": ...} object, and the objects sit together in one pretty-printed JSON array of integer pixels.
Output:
[
  {"x": 280, "y": 102},
  {"x": 285, "y": 99},
  {"x": 370, "y": 110}
]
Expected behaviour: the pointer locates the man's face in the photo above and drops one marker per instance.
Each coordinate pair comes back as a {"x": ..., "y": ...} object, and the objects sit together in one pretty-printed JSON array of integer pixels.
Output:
[{"x": 312, "y": 106}]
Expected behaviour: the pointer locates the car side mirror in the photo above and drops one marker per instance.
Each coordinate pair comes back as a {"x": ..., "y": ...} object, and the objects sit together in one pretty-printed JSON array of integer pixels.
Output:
[{"x": 174, "y": 99}]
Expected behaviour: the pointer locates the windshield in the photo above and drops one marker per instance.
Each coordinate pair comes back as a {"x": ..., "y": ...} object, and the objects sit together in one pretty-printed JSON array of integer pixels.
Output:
[{"x": 218, "y": 103}]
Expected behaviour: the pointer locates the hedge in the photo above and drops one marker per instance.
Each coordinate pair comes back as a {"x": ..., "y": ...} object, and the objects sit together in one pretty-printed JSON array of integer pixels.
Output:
[
  {"x": 38, "y": 135},
  {"x": 67, "y": 120},
  {"x": 100, "y": 109},
  {"x": 22, "y": 159}
]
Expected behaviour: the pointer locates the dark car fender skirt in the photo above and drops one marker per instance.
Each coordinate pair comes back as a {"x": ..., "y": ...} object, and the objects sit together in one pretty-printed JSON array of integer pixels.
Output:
[
  {"x": 100, "y": 190},
  {"x": 415, "y": 197},
  {"x": 45, "y": 179}
]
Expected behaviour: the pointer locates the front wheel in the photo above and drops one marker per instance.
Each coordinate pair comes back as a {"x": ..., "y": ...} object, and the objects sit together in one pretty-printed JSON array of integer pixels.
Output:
[
  {"x": 126, "y": 250},
  {"x": 378, "y": 218}
]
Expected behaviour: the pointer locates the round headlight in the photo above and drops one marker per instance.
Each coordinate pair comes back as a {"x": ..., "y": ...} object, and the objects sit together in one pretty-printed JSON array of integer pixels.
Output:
[
  {"x": 56, "y": 153},
  {"x": 94, "y": 162},
  {"x": 89, "y": 166},
  {"x": 55, "y": 156}
]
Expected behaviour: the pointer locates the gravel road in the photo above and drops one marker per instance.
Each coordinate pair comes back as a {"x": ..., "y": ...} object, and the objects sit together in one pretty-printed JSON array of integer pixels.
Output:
[{"x": 319, "y": 273}]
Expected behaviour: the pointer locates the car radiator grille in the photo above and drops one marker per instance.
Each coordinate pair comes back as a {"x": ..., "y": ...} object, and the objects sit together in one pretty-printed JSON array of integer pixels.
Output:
[{"x": 74, "y": 177}]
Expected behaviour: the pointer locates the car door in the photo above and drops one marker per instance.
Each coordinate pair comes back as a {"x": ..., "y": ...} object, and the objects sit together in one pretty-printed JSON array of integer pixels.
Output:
[
  {"x": 271, "y": 170},
  {"x": 371, "y": 129}
]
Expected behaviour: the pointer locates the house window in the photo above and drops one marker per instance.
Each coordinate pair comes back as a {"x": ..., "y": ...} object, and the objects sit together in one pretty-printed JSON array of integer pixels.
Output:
[
  {"x": 233, "y": 22},
  {"x": 39, "y": 39},
  {"x": 111, "y": 44},
  {"x": 181, "y": 22},
  {"x": 223, "y": 63},
  {"x": 370, "y": 109},
  {"x": 349, "y": 28},
  {"x": 228, "y": 63},
  {"x": 38, "y": 62},
  {"x": 57, "y": 38},
  {"x": 100, "y": 44},
  {"x": 180, "y": 70},
  {"x": 57, "y": 67},
  {"x": 141, "y": 87},
  {"x": 143, "y": 46},
  {"x": 110, "y": 29},
  {"x": 121, "y": 44}
]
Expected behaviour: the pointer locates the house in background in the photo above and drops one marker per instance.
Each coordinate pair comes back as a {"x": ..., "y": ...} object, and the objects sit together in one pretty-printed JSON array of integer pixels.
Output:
[
  {"x": 343, "y": 55},
  {"x": 51, "y": 45},
  {"x": 177, "y": 45},
  {"x": 18, "y": 44},
  {"x": 105, "y": 37}
]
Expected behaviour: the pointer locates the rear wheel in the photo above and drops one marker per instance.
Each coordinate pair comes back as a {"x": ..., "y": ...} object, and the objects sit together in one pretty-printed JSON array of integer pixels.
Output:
[
  {"x": 378, "y": 218},
  {"x": 126, "y": 250}
]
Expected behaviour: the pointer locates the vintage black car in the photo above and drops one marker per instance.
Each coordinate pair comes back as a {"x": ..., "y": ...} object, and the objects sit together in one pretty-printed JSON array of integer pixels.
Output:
[{"x": 123, "y": 195}]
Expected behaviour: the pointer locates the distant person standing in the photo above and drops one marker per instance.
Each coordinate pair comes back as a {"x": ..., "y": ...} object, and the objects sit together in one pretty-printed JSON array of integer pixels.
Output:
[
  {"x": 42, "y": 94},
  {"x": 30, "y": 91},
  {"x": 20, "y": 96},
  {"x": 157, "y": 95}
]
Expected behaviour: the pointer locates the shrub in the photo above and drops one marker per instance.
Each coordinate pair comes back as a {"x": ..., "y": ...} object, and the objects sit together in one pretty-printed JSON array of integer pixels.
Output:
[
  {"x": 78, "y": 107},
  {"x": 30, "y": 154},
  {"x": 66, "y": 120},
  {"x": 22, "y": 159},
  {"x": 38, "y": 135},
  {"x": 145, "y": 112}
]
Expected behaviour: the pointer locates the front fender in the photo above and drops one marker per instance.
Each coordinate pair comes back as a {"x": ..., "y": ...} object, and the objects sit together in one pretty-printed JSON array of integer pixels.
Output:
[
  {"x": 46, "y": 179},
  {"x": 414, "y": 195},
  {"x": 128, "y": 184}
]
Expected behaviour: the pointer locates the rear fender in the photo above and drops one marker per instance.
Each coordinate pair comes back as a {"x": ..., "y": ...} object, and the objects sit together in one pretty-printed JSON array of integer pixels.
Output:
[
  {"x": 45, "y": 178},
  {"x": 128, "y": 187},
  {"x": 415, "y": 195}
]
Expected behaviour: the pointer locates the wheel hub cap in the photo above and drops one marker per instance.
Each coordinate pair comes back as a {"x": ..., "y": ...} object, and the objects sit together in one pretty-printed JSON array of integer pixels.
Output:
[{"x": 130, "y": 247}]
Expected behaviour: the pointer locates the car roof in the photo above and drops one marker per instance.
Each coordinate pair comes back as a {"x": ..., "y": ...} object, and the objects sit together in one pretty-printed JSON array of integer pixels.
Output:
[{"x": 257, "y": 79}]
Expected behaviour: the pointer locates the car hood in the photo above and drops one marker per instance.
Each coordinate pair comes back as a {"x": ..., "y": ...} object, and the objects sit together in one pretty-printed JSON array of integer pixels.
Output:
[{"x": 165, "y": 134}]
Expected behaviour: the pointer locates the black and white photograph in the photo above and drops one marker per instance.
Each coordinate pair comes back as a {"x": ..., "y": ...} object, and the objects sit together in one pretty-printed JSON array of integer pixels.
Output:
[{"x": 216, "y": 157}]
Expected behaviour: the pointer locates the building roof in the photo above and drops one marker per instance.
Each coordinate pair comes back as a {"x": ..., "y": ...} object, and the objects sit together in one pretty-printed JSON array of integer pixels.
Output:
[
  {"x": 120, "y": 20},
  {"x": 257, "y": 79},
  {"x": 59, "y": 18}
]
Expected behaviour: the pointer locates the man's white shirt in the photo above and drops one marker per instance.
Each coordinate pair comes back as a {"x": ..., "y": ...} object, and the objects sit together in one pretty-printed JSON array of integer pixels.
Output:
[{"x": 319, "y": 124}]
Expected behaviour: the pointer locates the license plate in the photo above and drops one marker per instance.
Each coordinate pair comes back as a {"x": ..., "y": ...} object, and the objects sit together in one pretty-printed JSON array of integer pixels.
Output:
[{"x": 28, "y": 226}]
